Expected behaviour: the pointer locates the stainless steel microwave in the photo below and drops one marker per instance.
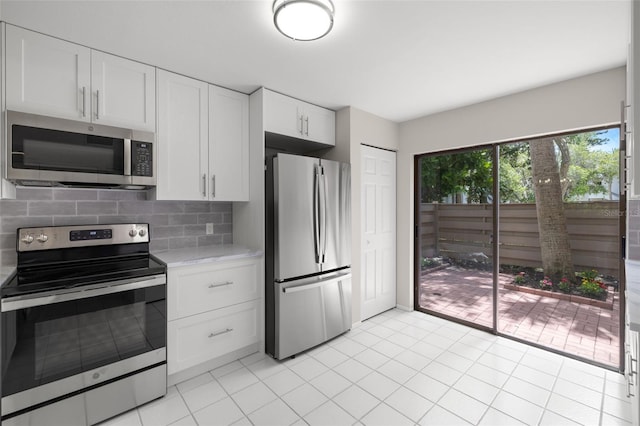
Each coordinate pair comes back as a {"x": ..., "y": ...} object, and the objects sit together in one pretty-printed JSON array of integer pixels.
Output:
[{"x": 52, "y": 151}]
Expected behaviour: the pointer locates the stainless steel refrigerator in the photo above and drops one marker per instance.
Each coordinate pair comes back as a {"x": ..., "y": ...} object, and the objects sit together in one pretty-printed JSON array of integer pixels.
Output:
[{"x": 308, "y": 252}]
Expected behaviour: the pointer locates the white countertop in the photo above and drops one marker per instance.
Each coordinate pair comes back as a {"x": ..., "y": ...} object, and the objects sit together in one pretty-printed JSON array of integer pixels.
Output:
[
  {"x": 180, "y": 257},
  {"x": 195, "y": 255}
]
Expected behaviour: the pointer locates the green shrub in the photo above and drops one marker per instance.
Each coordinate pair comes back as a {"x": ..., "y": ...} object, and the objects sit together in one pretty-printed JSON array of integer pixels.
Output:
[
  {"x": 521, "y": 278},
  {"x": 546, "y": 283},
  {"x": 590, "y": 275},
  {"x": 428, "y": 262},
  {"x": 590, "y": 288},
  {"x": 565, "y": 286}
]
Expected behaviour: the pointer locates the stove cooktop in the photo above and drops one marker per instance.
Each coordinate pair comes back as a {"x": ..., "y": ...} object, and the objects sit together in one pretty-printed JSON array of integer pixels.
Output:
[{"x": 64, "y": 275}]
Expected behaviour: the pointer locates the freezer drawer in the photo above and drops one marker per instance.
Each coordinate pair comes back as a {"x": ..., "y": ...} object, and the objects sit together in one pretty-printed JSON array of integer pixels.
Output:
[{"x": 311, "y": 311}]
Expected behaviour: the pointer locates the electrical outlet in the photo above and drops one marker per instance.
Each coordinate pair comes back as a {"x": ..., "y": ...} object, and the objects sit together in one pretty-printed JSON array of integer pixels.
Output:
[{"x": 209, "y": 228}]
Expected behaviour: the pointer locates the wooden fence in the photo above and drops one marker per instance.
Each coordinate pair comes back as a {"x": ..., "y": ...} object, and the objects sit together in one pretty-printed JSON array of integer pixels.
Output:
[{"x": 464, "y": 231}]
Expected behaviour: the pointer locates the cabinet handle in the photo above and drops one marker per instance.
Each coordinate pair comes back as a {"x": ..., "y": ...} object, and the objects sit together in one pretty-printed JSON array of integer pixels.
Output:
[
  {"x": 97, "y": 105},
  {"x": 301, "y": 124},
  {"x": 225, "y": 331},
  {"x": 306, "y": 119},
  {"x": 84, "y": 101},
  {"x": 220, "y": 284},
  {"x": 204, "y": 185},
  {"x": 213, "y": 186}
]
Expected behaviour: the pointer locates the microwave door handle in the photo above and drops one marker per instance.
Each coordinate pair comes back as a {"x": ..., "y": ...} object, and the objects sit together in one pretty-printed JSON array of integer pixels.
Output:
[{"x": 127, "y": 157}]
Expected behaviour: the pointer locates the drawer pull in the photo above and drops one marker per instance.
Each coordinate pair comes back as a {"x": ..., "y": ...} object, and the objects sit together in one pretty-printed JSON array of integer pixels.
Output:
[
  {"x": 228, "y": 330},
  {"x": 220, "y": 284}
]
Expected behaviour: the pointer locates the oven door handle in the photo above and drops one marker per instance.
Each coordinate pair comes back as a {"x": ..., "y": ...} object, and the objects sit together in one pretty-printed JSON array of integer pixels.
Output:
[{"x": 75, "y": 293}]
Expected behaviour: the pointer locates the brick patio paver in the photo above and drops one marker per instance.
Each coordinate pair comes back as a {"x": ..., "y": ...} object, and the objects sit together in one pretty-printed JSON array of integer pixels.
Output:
[{"x": 583, "y": 330}]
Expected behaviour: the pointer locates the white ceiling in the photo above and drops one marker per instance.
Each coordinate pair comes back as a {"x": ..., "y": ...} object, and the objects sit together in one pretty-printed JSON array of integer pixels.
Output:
[{"x": 396, "y": 59}]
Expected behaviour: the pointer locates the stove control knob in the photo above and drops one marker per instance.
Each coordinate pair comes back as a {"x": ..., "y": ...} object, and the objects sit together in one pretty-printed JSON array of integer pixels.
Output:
[
  {"x": 27, "y": 239},
  {"x": 133, "y": 232},
  {"x": 42, "y": 238},
  {"x": 142, "y": 232}
]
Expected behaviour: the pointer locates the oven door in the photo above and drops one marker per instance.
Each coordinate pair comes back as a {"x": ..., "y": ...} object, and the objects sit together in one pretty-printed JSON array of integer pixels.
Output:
[{"x": 56, "y": 345}]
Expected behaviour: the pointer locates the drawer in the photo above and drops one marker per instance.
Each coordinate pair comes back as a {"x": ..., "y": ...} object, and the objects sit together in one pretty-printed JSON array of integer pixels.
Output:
[
  {"x": 203, "y": 337},
  {"x": 195, "y": 289}
]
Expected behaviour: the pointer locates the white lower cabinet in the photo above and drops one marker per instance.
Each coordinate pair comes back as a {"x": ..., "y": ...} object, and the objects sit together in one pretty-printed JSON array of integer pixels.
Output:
[
  {"x": 201, "y": 288},
  {"x": 203, "y": 337},
  {"x": 213, "y": 310}
]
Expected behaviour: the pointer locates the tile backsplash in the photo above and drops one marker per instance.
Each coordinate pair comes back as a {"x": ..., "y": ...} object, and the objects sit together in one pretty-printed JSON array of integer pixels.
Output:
[{"x": 174, "y": 224}]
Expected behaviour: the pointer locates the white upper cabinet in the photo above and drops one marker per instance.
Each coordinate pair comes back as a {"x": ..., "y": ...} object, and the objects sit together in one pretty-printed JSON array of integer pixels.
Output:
[
  {"x": 228, "y": 144},
  {"x": 203, "y": 141},
  {"x": 281, "y": 115},
  {"x": 182, "y": 138},
  {"x": 57, "y": 78},
  {"x": 291, "y": 117},
  {"x": 319, "y": 124},
  {"x": 123, "y": 92},
  {"x": 47, "y": 76}
]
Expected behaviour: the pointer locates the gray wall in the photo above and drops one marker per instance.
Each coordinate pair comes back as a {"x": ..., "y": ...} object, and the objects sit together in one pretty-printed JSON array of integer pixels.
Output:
[{"x": 174, "y": 224}]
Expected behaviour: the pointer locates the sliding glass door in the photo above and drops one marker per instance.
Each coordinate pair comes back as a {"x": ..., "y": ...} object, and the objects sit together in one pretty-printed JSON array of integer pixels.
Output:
[
  {"x": 455, "y": 250},
  {"x": 560, "y": 244},
  {"x": 539, "y": 262}
]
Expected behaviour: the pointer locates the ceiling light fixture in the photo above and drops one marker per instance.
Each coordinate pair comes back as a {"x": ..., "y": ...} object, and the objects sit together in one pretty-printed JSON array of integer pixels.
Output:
[{"x": 304, "y": 20}]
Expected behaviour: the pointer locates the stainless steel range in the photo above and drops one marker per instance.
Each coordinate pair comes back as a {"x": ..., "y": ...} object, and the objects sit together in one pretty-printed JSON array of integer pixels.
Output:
[{"x": 83, "y": 325}]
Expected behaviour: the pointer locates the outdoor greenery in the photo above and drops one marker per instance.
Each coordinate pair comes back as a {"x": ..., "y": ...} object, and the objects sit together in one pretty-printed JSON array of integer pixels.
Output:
[
  {"x": 468, "y": 173},
  {"x": 547, "y": 172},
  {"x": 590, "y": 283},
  {"x": 430, "y": 262},
  {"x": 583, "y": 171}
]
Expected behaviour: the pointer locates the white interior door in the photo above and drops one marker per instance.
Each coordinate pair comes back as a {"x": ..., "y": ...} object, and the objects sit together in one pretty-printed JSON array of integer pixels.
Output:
[{"x": 378, "y": 224}]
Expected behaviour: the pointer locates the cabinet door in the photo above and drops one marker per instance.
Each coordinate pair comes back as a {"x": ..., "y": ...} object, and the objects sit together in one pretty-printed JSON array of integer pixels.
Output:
[
  {"x": 228, "y": 145},
  {"x": 46, "y": 75},
  {"x": 281, "y": 115},
  {"x": 123, "y": 92},
  {"x": 182, "y": 138},
  {"x": 203, "y": 337},
  {"x": 194, "y": 289},
  {"x": 319, "y": 124}
]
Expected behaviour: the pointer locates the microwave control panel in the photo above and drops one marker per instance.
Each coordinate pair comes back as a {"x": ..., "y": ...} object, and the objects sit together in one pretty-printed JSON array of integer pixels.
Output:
[{"x": 141, "y": 158}]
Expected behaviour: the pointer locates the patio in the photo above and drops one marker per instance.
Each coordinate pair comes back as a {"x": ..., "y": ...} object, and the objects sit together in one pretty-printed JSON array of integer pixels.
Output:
[{"x": 579, "y": 329}]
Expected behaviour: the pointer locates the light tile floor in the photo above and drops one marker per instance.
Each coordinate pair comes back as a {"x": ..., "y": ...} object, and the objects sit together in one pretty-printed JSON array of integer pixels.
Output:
[{"x": 398, "y": 368}]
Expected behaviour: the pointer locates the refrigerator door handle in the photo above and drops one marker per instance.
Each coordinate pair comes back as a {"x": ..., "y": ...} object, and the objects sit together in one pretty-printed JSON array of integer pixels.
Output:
[
  {"x": 324, "y": 214},
  {"x": 316, "y": 213},
  {"x": 332, "y": 279}
]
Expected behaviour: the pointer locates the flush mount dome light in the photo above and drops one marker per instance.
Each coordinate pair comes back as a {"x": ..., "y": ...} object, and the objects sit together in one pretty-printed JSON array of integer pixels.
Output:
[{"x": 304, "y": 20}]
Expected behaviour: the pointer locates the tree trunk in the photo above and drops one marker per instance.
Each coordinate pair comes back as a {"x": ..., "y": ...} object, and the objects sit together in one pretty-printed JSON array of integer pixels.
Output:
[
  {"x": 552, "y": 223},
  {"x": 565, "y": 161}
]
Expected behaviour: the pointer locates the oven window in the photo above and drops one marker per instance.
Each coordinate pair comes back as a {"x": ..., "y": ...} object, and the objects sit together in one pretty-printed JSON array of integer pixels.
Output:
[
  {"x": 43, "y": 149},
  {"x": 50, "y": 342}
]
